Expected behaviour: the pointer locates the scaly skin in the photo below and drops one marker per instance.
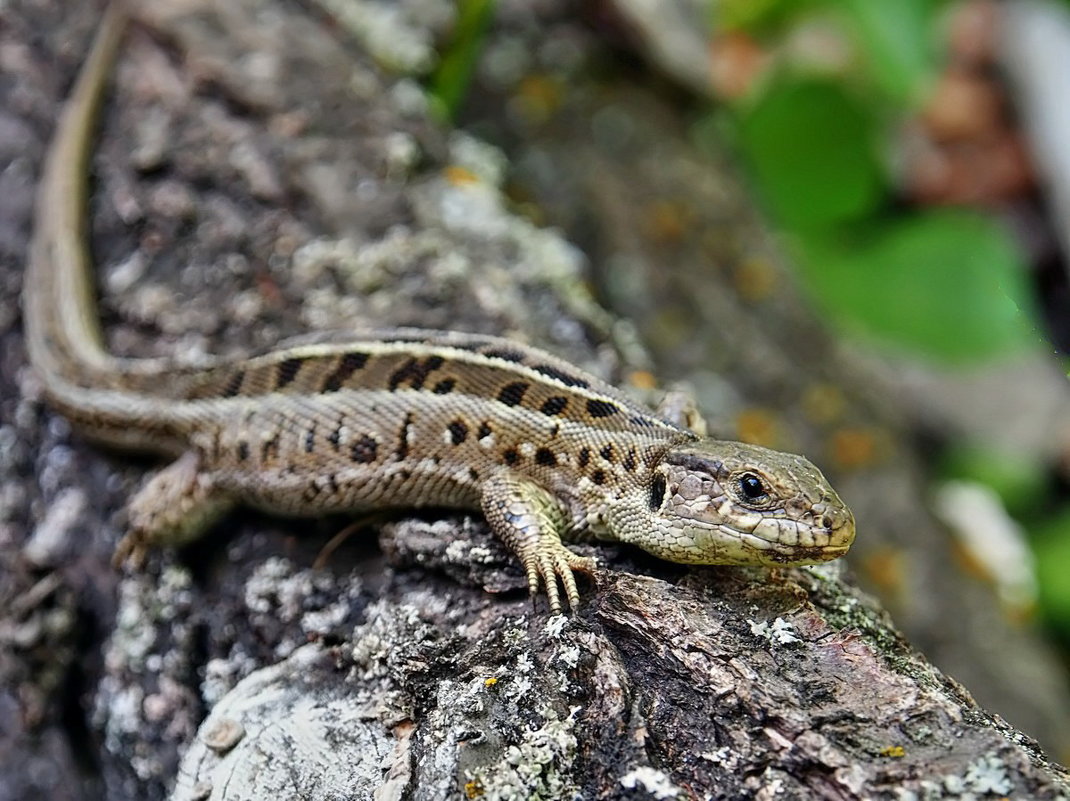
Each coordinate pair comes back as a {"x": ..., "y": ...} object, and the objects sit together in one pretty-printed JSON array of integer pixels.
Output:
[{"x": 401, "y": 417}]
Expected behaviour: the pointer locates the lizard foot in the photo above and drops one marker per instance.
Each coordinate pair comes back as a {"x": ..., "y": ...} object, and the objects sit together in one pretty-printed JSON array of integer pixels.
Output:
[
  {"x": 547, "y": 561},
  {"x": 172, "y": 508},
  {"x": 132, "y": 550},
  {"x": 530, "y": 521}
]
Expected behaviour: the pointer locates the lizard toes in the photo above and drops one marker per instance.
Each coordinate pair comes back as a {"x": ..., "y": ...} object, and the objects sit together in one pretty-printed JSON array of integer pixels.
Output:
[{"x": 131, "y": 550}]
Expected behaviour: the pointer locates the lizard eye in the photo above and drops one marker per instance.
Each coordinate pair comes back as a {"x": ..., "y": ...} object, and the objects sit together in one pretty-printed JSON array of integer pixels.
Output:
[{"x": 752, "y": 488}]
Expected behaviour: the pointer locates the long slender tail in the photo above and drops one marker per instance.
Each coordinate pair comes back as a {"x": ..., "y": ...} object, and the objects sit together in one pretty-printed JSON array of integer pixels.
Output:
[
  {"x": 59, "y": 306},
  {"x": 60, "y": 319}
]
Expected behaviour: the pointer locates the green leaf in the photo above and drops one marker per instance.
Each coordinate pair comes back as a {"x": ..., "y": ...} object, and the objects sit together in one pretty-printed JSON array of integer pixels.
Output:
[
  {"x": 947, "y": 283},
  {"x": 896, "y": 40},
  {"x": 811, "y": 148},
  {"x": 755, "y": 15}
]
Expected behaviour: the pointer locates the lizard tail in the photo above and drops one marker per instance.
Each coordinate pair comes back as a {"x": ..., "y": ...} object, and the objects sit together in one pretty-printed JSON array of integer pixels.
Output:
[{"x": 59, "y": 304}]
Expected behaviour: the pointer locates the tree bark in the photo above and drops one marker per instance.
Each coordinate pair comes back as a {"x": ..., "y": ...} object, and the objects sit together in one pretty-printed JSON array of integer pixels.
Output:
[{"x": 256, "y": 176}]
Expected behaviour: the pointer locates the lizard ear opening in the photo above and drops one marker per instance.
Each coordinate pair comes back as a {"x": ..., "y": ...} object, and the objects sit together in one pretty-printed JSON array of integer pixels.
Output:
[{"x": 657, "y": 491}]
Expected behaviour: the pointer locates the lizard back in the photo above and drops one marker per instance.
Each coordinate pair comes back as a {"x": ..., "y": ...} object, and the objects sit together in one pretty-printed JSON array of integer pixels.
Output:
[{"x": 419, "y": 417}]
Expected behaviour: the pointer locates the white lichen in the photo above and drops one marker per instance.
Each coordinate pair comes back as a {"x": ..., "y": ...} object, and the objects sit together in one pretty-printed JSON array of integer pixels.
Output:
[
  {"x": 780, "y": 632},
  {"x": 656, "y": 783},
  {"x": 533, "y": 767},
  {"x": 987, "y": 775}
]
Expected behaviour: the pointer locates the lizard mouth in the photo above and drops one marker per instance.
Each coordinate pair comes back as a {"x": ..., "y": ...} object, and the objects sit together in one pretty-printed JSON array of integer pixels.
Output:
[
  {"x": 729, "y": 546},
  {"x": 795, "y": 555},
  {"x": 828, "y": 544}
]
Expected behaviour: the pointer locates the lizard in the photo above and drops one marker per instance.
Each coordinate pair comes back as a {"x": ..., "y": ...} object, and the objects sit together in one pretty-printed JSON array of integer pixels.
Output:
[{"x": 357, "y": 421}]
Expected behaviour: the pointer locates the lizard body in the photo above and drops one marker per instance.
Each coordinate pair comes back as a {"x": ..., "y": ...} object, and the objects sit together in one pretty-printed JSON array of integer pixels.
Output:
[{"x": 399, "y": 418}]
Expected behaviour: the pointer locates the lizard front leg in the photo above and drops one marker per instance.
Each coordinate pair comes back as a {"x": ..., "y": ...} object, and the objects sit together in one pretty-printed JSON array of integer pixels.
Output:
[
  {"x": 530, "y": 521},
  {"x": 172, "y": 508}
]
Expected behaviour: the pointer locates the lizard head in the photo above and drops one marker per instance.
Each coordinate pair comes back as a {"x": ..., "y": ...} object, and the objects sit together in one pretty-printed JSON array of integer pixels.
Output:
[{"x": 722, "y": 502}]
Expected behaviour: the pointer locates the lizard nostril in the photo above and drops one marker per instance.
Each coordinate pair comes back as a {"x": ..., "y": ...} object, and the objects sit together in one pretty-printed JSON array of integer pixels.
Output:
[{"x": 825, "y": 521}]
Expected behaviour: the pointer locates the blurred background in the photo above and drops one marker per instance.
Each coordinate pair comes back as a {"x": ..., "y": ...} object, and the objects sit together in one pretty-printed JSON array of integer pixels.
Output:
[{"x": 845, "y": 223}]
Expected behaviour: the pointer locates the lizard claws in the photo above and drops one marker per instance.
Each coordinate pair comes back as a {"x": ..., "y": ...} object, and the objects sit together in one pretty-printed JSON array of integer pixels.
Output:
[
  {"x": 132, "y": 550},
  {"x": 552, "y": 562}
]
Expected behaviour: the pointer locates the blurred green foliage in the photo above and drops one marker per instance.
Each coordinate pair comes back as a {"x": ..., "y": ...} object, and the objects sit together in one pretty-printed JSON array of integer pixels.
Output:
[
  {"x": 458, "y": 57},
  {"x": 945, "y": 284},
  {"x": 1051, "y": 548},
  {"x": 811, "y": 147},
  {"x": 897, "y": 39},
  {"x": 1020, "y": 481}
]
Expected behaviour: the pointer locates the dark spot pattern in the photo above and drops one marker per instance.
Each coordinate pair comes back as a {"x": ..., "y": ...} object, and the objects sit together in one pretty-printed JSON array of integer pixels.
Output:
[
  {"x": 335, "y": 437},
  {"x": 545, "y": 457},
  {"x": 601, "y": 408},
  {"x": 607, "y": 452},
  {"x": 402, "y": 449},
  {"x": 287, "y": 371},
  {"x": 511, "y": 457},
  {"x": 657, "y": 492},
  {"x": 407, "y": 372},
  {"x": 445, "y": 386},
  {"x": 458, "y": 432},
  {"x": 364, "y": 450},
  {"x": 415, "y": 372},
  {"x": 598, "y": 476},
  {"x": 629, "y": 460},
  {"x": 584, "y": 457},
  {"x": 557, "y": 374},
  {"x": 484, "y": 430},
  {"x": 310, "y": 440},
  {"x": 505, "y": 354},
  {"x": 512, "y": 394},
  {"x": 234, "y": 383},
  {"x": 243, "y": 451},
  {"x": 269, "y": 449},
  {"x": 347, "y": 365},
  {"x": 554, "y": 405}
]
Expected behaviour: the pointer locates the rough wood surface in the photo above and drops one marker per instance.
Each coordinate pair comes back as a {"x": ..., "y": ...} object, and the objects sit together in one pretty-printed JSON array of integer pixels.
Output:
[{"x": 258, "y": 175}]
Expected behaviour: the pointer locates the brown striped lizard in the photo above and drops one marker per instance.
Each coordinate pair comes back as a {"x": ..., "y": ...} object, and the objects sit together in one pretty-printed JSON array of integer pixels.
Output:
[{"x": 399, "y": 418}]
